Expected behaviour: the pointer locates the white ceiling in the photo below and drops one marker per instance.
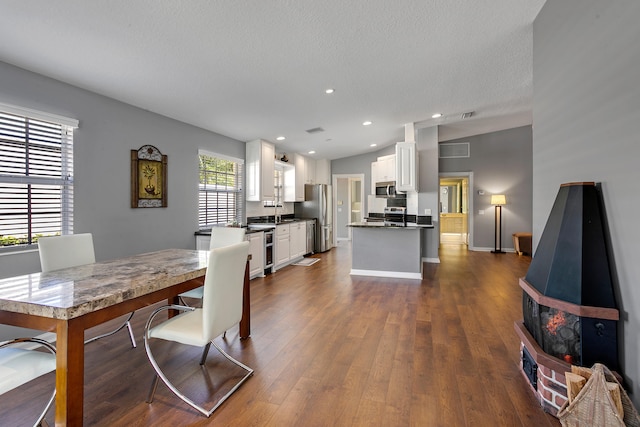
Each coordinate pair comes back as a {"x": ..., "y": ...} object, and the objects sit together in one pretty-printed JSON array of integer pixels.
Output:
[{"x": 252, "y": 69}]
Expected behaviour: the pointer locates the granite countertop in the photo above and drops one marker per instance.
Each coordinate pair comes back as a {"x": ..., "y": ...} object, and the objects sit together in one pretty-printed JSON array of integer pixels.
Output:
[
  {"x": 72, "y": 292},
  {"x": 261, "y": 221},
  {"x": 410, "y": 226},
  {"x": 207, "y": 232}
]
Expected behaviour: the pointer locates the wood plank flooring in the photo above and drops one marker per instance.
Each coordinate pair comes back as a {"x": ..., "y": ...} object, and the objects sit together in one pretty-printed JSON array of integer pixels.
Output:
[{"x": 329, "y": 349}]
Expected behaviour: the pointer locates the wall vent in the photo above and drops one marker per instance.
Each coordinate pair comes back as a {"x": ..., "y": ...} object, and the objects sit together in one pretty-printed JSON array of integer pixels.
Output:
[
  {"x": 315, "y": 130},
  {"x": 453, "y": 150}
]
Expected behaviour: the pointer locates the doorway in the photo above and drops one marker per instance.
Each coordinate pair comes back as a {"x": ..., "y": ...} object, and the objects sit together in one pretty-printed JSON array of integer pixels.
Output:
[
  {"x": 348, "y": 206},
  {"x": 454, "y": 208}
]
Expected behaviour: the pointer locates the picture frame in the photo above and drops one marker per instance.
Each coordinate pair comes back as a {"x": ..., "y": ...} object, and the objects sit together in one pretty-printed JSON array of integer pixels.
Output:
[{"x": 148, "y": 178}]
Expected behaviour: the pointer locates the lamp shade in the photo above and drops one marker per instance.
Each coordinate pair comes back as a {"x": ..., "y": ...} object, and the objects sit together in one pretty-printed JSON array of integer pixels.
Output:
[{"x": 498, "y": 199}]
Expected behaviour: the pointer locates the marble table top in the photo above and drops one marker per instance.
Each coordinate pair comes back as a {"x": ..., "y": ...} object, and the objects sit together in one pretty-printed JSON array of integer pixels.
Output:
[{"x": 72, "y": 292}]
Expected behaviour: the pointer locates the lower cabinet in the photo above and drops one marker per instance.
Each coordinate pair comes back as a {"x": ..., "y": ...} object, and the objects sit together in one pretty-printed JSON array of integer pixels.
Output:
[
  {"x": 298, "y": 239},
  {"x": 282, "y": 244},
  {"x": 256, "y": 249},
  {"x": 202, "y": 242},
  {"x": 291, "y": 242}
]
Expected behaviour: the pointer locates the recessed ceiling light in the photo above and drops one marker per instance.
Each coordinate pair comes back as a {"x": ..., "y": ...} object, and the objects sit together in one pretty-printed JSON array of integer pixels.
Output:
[
  {"x": 329, "y": 91},
  {"x": 436, "y": 115},
  {"x": 312, "y": 152},
  {"x": 373, "y": 145},
  {"x": 281, "y": 138},
  {"x": 367, "y": 123}
]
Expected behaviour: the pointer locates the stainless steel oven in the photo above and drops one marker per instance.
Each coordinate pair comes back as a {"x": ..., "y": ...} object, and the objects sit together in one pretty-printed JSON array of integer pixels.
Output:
[{"x": 395, "y": 216}]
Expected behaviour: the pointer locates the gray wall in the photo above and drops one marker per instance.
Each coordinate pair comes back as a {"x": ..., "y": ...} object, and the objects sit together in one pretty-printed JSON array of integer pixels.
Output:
[
  {"x": 501, "y": 163},
  {"x": 108, "y": 131},
  {"x": 360, "y": 164},
  {"x": 586, "y": 122},
  {"x": 429, "y": 188}
]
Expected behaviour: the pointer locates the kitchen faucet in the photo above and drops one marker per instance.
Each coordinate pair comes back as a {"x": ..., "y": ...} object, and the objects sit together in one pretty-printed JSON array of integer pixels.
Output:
[{"x": 276, "y": 216}]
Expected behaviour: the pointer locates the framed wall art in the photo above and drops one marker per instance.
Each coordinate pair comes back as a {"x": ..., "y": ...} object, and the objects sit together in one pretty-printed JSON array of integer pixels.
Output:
[{"x": 148, "y": 178}]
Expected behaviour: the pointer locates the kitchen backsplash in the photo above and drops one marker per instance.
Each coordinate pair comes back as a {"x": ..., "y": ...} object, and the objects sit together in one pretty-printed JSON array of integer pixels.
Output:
[{"x": 257, "y": 209}]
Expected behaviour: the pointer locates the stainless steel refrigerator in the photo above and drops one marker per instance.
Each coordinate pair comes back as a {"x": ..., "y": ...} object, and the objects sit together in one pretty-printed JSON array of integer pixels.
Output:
[{"x": 317, "y": 204}]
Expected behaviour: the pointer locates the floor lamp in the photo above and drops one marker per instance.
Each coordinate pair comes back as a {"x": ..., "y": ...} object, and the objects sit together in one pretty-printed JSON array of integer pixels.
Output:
[{"x": 498, "y": 200}]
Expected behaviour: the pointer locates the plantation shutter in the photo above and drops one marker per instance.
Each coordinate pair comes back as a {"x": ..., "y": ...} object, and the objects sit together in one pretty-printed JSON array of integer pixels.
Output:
[
  {"x": 221, "y": 195},
  {"x": 36, "y": 175}
]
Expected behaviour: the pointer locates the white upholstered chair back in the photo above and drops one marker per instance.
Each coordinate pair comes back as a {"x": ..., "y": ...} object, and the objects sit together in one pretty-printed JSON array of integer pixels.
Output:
[
  {"x": 71, "y": 250},
  {"x": 225, "y": 236},
  {"x": 223, "y": 285}
]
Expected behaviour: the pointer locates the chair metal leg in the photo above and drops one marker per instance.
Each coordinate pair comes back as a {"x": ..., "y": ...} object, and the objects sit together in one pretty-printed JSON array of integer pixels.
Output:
[
  {"x": 165, "y": 380},
  {"x": 41, "y": 421},
  {"x": 154, "y": 387},
  {"x": 126, "y": 323},
  {"x": 205, "y": 352}
]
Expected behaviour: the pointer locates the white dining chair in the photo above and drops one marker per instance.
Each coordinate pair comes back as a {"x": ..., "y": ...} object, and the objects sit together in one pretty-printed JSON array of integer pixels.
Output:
[
  {"x": 221, "y": 309},
  {"x": 19, "y": 365},
  {"x": 72, "y": 250},
  {"x": 220, "y": 237}
]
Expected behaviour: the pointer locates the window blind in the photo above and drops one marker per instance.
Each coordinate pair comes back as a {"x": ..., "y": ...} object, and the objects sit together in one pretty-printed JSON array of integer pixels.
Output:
[
  {"x": 36, "y": 179},
  {"x": 221, "y": 195}
]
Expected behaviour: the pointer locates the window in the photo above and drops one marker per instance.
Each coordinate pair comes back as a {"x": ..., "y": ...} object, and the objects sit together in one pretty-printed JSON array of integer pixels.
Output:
[
  {"x": 278, "y": 188},
  {"x": 221, "y": 195},
  {"x": 36, "y": 175}
]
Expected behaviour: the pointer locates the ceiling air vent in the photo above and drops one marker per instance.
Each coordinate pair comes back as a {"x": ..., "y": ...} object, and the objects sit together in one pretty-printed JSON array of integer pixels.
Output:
[
  {"x": 452, "y": 150},
  {"x": 466, "y": 115},
  {"x": 315, "y": 130}
]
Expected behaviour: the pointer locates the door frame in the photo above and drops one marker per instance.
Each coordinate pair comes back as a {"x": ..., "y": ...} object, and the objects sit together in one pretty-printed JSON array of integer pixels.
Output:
[
  {"x": 470, "y": 194},
  {"x": 364, "y": 208}
]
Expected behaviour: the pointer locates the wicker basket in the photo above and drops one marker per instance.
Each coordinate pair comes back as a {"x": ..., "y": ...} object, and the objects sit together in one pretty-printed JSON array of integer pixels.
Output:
[{"x": 593, "y": 406}]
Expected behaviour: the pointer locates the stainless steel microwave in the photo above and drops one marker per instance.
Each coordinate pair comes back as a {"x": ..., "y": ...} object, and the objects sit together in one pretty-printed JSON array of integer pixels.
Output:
[{"x": 387, "y": 190}]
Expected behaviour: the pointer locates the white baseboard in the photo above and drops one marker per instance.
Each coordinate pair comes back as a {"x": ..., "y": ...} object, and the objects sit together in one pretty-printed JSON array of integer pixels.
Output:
[
  {"x": 390, "y": 274},
  {"x": 482, "y": 249},
  {"x": 431, "y": 260}
]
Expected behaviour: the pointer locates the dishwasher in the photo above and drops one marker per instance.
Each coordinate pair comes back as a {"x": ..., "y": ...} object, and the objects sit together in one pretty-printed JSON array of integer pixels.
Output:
[{"x": 311, "y": 236}]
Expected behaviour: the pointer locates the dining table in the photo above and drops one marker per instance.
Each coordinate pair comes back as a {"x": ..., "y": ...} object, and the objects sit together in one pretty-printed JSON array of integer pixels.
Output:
[{"x": 69, "y": 301}]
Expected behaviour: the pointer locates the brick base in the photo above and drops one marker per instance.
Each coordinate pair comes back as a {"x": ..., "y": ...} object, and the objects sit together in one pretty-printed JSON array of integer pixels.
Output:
[{"x": 551, "y": 390}]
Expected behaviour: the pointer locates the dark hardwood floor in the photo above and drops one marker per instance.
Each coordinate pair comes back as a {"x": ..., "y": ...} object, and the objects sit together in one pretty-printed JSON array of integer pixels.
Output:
[{"x": 329, "y": 349}]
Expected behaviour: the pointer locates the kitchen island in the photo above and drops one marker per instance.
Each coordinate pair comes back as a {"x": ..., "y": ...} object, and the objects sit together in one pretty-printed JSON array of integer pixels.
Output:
[{"x": 386, "y": 251}]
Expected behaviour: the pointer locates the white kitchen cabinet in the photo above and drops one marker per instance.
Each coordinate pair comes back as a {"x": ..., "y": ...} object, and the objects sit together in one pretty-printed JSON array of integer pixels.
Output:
[
  {"x": 256, "y": 250},
  {"x": 323, "y": 172},
  {"x": 202, "y": 242},
  {"x": 288, "y": 181},
  {"x": 298, "y": 239},
  {"x": 282, "y": 244},
  {"x": 374, "y": 177},
  {"x": 386, "y": 168},
  {"x": 300, "y": 164},
  {"x": 310, "y": 171},
  {"x": 260, "y": 156},
  {"x": 406, "y": 167}
]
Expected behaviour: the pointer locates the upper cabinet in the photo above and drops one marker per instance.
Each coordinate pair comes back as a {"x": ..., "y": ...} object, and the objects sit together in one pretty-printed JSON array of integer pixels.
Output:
[
  {"x": 384, "y": 169},
  {"x": 323, "y": 171},
  {"x": 295, "y": 178},
  {"x": 260, "y": 166},
  {"x": 309, "y": 171},
  {"x": 406, "y": 166}
]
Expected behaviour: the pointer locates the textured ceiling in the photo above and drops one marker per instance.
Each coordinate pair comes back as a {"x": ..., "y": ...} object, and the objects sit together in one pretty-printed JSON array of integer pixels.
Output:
[{"x": 258, "y": 68}]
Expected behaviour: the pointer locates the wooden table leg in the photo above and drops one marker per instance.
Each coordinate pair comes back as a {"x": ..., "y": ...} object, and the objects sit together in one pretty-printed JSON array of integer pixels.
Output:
[
  {"x": 69, "y": 373},
  {"x": 245, "y": 322}
]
